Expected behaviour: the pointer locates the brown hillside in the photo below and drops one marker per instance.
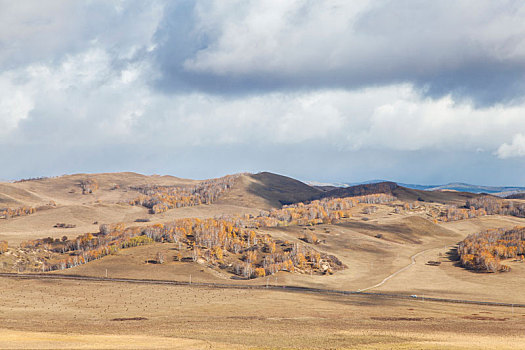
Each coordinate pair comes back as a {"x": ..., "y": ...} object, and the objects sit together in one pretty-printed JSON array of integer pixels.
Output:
[
  {"x": 402, "y": 193},
  {"x": 263, "y": 190},
  {"x": 516, "y": 196},
  {"x": 66, "y": 190},
  {"x": 281, "y": 189},
  {"x": 410, "y": 229},
  {"x": 267, "y": 190},
  {"x": 444, "y": 197},
  {"x": 374, "y": 246},
  {"x": 361, "y": 190},
  {"x": 12, "y": 196},
  {"x": 325, "y": 188}
]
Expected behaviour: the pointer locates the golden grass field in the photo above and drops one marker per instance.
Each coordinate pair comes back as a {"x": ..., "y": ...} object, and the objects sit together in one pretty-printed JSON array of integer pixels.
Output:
[
  {"x": 95, "y": 314},
  {"x": 120, "y": 315}
]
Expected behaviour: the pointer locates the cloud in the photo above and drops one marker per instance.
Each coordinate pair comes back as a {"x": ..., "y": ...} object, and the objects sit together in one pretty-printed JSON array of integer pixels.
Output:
[
  {"x": 46, "y": 31},
  {"x": 359, "y": 87},
  {"x": 85, "y": 99},
  {"x": 14, "y": 105},
  {"x": 515, "y": 149},
  {"x": 472, "y": 51}
]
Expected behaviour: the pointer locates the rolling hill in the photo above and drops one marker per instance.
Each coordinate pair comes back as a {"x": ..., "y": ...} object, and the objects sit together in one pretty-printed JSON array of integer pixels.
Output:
[
  {"x": 501, "y": 191},
  {"x": 402, "y": 193},
  {"x": 394, "y": 247},
  {"x": 261, "y": 190}
]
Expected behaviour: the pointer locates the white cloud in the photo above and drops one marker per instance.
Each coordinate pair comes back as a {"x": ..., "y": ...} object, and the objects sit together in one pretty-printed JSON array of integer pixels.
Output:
[
  {"x": 384, "y": 118},
  {"x": 64, "y": 76},
  {"x": 515, "y": 149},
  {"x": 84, "y": 100},
  {"x": 298, "y": 38},
  {"x": 15, "y": 105},
  {"x": 36, "y": 31}
]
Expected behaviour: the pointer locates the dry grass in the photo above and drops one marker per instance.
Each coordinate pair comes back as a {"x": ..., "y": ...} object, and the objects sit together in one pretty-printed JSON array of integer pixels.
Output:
[
  {"x": 11, "y": 339},
  {"x": 66, "y": 314},
  {"x": 83, "y": 314}
]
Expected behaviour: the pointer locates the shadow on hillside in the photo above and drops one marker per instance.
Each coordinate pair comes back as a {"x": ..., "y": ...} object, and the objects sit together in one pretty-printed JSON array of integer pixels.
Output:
[
  {"x": 281, "y": 190},
  {"x": 152, "y": 261},
  {"x": 399, "y": 231},
  {"x": 184, "y": 259},
  {"x": 453, "y": 256}
]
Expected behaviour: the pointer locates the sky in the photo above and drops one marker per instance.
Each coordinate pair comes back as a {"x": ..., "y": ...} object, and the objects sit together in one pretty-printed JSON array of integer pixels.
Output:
[{"x": 424, "y": 92}]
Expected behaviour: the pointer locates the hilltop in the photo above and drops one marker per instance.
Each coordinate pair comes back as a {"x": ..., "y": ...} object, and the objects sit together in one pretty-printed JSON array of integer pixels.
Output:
[
  {"x": 231, "y": 225},
  {"x": 251, "y": 230},
  {"x": 500, "y": 191}
]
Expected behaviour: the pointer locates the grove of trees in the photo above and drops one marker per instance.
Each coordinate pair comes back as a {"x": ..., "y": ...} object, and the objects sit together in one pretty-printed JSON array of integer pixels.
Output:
[
  {"x": 162, "y": 198},
  {"x": 453, "y": 213},
  {"x": 249, "y": 253},
  {"x": 208, "y": 239},
  {"x": 483, "y": 251},
  {"x": 7, "y": 213},
  {"x": 324, "y": 211},
  {"x": 494, "y": 205},
  {"x": 481, "y": 206}
]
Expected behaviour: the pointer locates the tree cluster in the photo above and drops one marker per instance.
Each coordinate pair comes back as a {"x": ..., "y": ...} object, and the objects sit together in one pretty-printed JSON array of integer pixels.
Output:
[
  {"x": 88, "y": 186},
  {"x": 453, "y": 213},
  {"x": 159, "y": 199},
  {"x": 7, "y": 213},
  {"x": 483, "y": 251},
  {"x": 32, "y": 179},
  {"x": 481, "y": 206},
  {"x": 215, "y": 239},
  {"x": 324, "y": 211},
  {"x": 497, "y": 206}
]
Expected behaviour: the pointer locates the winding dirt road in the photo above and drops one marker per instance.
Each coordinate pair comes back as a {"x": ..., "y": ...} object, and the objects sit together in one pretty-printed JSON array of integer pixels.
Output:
[
  {"x": 285, "y": 288},
  {"x": 412, "y": 262}
]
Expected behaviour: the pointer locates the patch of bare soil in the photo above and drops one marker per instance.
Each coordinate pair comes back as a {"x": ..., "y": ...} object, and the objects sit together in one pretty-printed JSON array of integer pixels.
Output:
[
  {"x": 416, "y": 319},
  {"x": 130, "y": 319},
  {"x": 484, "y": 318}
]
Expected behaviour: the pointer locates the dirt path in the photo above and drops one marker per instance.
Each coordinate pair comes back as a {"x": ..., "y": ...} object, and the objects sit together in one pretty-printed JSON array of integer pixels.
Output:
[
  {"x": 285, "y": 288},
  {"x": 412, "y": 262}
]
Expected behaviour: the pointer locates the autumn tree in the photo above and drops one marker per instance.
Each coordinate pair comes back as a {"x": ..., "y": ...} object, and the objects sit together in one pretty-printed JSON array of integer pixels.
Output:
[
  {"x": 260, "y": 272},
  {"x": 88, "y": 186},
  {"x": 3, "y": 247}
]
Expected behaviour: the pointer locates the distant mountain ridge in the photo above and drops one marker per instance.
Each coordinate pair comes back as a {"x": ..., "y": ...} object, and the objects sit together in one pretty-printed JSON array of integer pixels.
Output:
[
  {"x": 478, "y": 189},
  {"x": 453, "y": 186}
]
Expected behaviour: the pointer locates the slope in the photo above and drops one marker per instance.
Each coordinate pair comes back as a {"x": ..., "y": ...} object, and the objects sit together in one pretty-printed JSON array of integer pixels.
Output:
[
  {"x": 267, "y": 190},
  {"x": 402, "y": 193}
]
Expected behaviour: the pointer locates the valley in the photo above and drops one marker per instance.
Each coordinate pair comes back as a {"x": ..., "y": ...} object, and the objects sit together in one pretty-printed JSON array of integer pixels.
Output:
[{"x": 245, "y": 231}]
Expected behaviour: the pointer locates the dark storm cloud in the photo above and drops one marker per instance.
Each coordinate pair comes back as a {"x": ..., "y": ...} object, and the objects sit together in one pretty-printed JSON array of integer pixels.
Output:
[
  {"x": 321, "y": 90},
  {"x": 485, "y": 83},
  {"x": 472, "y": 50}
]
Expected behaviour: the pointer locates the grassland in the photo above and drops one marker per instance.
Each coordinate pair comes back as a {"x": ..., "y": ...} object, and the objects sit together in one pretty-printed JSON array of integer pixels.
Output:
[
  {"x": 376, "y": 242},
  {"x": 119, "y": 315}
]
